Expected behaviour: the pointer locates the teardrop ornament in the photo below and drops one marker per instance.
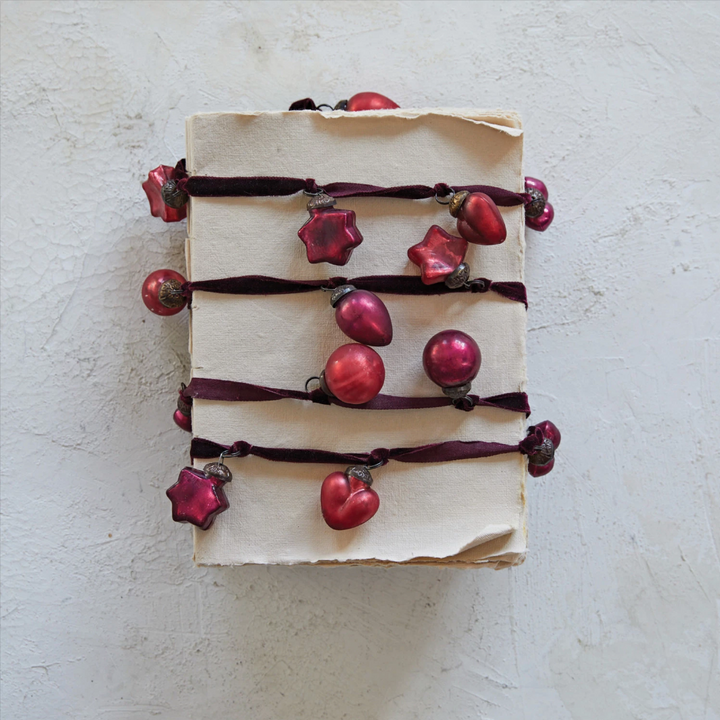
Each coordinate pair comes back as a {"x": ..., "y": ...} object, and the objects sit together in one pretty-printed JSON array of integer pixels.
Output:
[{"x": 362, "y": 316}]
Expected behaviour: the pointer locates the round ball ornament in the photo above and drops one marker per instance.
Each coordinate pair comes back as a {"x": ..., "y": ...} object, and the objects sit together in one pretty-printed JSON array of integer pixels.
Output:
[
  {"x": 354, "y": 374},
  {"x": 162, "y": 292},
  {"x": 452, "y": 360}
]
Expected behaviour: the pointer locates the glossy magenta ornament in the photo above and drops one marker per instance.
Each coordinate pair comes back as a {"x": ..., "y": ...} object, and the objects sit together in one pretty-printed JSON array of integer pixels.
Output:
[
  {"x": 330, "y": 235},
  {"x": 532, "y": 183},
  {"x": 539, "y": 213},
  {"x": 438, "y": 255},
  {"x": 183, "y": 414},
  {"x": 550, "y": 431},
  {"x": 153, "y": 187},
  {"x": 478, "y": 219},
  {"x": 160, "y": 292},
  {"x": 369, "y": 101},
  {"x": 362, "y": 316},
  {"x": 540, "y": 470},
  {"x": 542, "y": 459},
  {"x": 198, "y": 496},
  {"x": 451, "y": 358},
  {"x": 354, "y": 374},
  {"x": 347, "y": 500},
  {"x": 183, "y": 421}
]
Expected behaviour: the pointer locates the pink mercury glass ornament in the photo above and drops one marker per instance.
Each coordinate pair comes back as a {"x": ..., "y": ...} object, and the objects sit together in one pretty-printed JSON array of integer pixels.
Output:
[
  {"x": 161, "y": 292},
  {"x": 346, "y": 498},
  {"x": 161, "y": 177},
  {"x": 198, "y": 496},
  {"x": 542, "y": 459},
  {"x": 479, "y": 220},
  {"x": 540, "y": 470},
  {"x": 439, "y": 255},
  {"x": 550, "y": 431},
  {"x": 452, "y": 360},
  {"x": 183, "y": 414},
  {"x": 539, "y": 213},
  {"x": 362, "y": 316},
  {"x": 354, "y": 374},
  {"x": 369, "y": 101},
  {"x": 183, "y": 421},
  {"x": 330, "y": 235}
]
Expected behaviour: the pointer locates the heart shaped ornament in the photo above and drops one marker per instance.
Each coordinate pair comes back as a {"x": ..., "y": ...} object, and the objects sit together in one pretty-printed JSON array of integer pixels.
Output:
[{"x": 346, "y": 498}]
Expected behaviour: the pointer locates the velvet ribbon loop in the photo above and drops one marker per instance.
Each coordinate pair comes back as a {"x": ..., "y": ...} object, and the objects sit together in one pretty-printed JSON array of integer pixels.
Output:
[
  {"x": 391, "y": 284},
  {"x": 432, "y": 453},
  {"x": 274, "y": 186},
  {"x": 231, "y": 391}
]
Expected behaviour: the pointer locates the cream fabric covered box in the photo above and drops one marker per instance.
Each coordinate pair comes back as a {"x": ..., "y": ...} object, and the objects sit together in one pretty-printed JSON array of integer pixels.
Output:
[{"x": 462, "y": 513}]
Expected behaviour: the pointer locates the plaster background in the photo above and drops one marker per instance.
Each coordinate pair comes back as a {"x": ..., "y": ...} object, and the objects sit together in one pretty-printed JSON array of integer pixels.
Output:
[{"x": 615, "y": 612}]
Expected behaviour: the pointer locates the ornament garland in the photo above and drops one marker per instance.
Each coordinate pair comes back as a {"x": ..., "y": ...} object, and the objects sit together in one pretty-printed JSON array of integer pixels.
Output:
[
  {"x": 354, "y": 373},
  {"x": 166, "y": 292},
  {"x": 346, "y": 498}
]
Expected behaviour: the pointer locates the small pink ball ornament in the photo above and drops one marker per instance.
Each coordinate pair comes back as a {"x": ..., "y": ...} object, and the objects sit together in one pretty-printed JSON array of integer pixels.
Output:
[
  {"x": 162, "y": 292},
  {"x": 452, "y": 360}
]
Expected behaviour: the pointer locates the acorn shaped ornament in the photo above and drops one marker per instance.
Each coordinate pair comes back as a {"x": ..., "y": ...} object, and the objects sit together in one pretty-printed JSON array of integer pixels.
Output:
[{"x": 478, "y": 219}]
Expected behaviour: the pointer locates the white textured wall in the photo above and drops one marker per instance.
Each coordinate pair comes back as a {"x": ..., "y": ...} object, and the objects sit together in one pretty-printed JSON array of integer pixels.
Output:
[{"x": 615, "y": 612}]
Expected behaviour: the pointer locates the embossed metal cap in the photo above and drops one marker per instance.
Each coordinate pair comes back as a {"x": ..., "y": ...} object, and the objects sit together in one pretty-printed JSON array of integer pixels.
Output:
[
  {"x": 361, "y": 472},
  {"x": 172, "y": 196},
  {"x": 458, "y": 277},
  {"x": 543, "y": 453},
  {"x": 536, "y": 206},
  {"x": 457, "y": 392},
  {"x": 340, "y": 292},
  {"x": 456, "y": 202},
  {"x": 323, "y": 200},
  {"x": 170, "y": 294},
  {"x": 219, "y": 471}
]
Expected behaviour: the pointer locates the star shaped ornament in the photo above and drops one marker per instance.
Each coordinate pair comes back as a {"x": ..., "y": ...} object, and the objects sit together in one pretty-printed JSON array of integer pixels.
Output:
[
  {"x": 198, "y": 496},
  {"x": 330, "y": 234},
  {"x": 438, "y": 255}
]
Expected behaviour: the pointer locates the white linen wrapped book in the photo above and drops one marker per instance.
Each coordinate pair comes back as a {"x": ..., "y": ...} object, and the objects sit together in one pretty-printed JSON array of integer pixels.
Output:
[{"x": 462, "y": 513}]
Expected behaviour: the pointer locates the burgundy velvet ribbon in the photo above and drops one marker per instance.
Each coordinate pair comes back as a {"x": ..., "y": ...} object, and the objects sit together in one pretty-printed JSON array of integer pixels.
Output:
[
  {"x": 270, "y": 186},
  {"x": 392, "y": 284},
  {"x": 433, "y": 453},
  {"x": 230, "y": 391}
]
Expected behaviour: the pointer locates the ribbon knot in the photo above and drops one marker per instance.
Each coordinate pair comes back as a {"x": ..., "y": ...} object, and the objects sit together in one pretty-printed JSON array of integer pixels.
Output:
[
  {"x": 240, "y": 449},
  {"x": 379, "y": 456},
  {"x": 531, "y": 442},
  {"x": 311, "y": 186},
  {"x": 318, "y": 396},
  {"x": 336, "y": 282},
  {"x": 465, "y": 403},
  {"x": 480, "y": 285},
  {"x": 442, "y": 189}
]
